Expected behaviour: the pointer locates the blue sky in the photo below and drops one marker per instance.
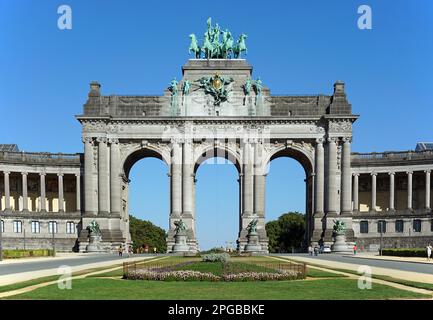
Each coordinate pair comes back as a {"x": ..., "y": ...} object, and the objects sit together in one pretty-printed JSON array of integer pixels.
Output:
[{"x": 137, "y": 47}]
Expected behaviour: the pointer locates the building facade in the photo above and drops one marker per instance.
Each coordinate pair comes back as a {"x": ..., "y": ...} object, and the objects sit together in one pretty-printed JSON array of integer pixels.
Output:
[{"x": 215, "y": 110}]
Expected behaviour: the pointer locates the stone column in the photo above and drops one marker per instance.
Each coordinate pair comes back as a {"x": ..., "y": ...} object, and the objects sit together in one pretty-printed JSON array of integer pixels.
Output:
[
  {"x": 373, "y": 191},
  {"x": 187, "y": 178},
  {"x": 78, "y": 191},
  {"x": 7, "y": 191},
  {"x": 248, "y": 189},
  {"x": 103, "y": 176},
  {"x": 60, "y": 179},
  {"x": 356, "y": 192},
  {"x": 391, "y": 191},
  {"x": 25, "y": 192},
  {"x": 319, "y": 184},
  {"x": 427, "y": 189},
  {"x": 43, "y": 194},
  {"x": 115, "y": 176},
  {"x": 332, "y": 176},
  {"x": 89, "y": 188},
  {"x": 346, "y": 179},
  {"x": 176, "y": 179},
  {"x": 409, "y": 190},
  {"x": 259, "y": 181}
]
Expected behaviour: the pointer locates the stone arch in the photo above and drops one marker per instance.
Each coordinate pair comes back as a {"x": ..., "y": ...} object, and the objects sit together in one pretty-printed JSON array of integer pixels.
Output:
[
  {"x": 296, "y": 152},
  {"x": 210, "y": 151},
  {"x": 141, "y": 152},
  {"x": 304, "y": 155}
]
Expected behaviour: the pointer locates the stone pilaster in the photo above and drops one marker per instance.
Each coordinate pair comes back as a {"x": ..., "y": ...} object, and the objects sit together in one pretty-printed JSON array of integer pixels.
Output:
[
  {"x": 356, "y": 192},
  {"x": 187, "y": 178},
  {"x": 427, "y": 189},
  {"x": 78, "y": 191},
  {"x": 43, "y": 198},
  {"x": 409, "y": 190},
  {"x": 90, "y": 199},
  {"x": 25, "y": 191},
  {"x": 373, "y": 191},
  {"x": 248, "y": 187},
  {"x": 60, "y": 187},
  {"x": 7, "y": 190},
  {"x": 332, "y": 177},
  {"x": 114, "y": 177},
  {"x": 103, "y": 176},
  {"x": 176, "y": 179},
  {"x": 346, "y": 179},
  {"x": 319, "y": 185},
  {"x": 259, "y": 181},
  {"x": 391, "y": 191}
]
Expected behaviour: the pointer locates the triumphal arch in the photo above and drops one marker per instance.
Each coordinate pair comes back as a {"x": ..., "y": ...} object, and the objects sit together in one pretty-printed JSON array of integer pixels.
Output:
[{"x": 218, "y": 109}]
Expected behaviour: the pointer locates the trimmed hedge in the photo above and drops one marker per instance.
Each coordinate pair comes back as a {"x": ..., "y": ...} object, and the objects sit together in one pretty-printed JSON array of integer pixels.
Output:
[
  {"x": 16, "y": 254},
  {"x": 405, "y": 252}
]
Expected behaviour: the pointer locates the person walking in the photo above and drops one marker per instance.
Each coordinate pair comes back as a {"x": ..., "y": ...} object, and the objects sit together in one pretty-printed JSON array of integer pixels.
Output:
[
  {"x": 154, "y": 250},
  {"x": 310, "y": 250},
  {"x": 355, "y": 248},
  {"x": 120, "y": 250},
  {"x": 429, "y": 248}
]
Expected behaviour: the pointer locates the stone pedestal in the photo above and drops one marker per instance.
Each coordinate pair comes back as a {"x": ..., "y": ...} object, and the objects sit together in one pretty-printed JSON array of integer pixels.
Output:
[
  {"x": 253, "y": 244},
  {"x": 340, "y": 245},
  {"x": 180, "y": 244},
  {"x": 94, "y": 245}
]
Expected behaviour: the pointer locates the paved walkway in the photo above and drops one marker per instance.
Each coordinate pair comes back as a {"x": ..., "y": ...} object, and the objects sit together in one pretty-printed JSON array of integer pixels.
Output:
[
  {"x": 19, "y": 272},
  {"x": 392, "y": 258},
  {"x": 354, "y": 264}
]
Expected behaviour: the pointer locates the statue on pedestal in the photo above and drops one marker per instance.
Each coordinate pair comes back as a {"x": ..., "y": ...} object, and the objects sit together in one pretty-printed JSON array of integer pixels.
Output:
[
  {"x": 180, "y": 237},
  {"x": 94, "y": 238},
  {"x": 340, "y": 244}
]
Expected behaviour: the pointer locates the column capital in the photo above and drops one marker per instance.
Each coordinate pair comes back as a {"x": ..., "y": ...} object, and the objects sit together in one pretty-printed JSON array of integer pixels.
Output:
[
  {"x": 356, "y": 174},
  {"x": 347, "y": 139},
  {"x": 373, "y": 174},
  {"x": 101, "y": 140},
  {"x": 60, "y": 174},
  {"x": 332, "y": 140},
  {"x": 113, "y": 140},
  {"x": 428, "y": 171},
  {"x": 87, "y": 140},
  {"x": 24, "y": 173},
  {"x": 78, "y": 175},
  {"x": 391, "y": 173},
  {"x": 6, "y": 172},
  {"x": 319, "y": 141},
  {"x": 409, "y": 172},
  {"x": 42, "y": 173}
]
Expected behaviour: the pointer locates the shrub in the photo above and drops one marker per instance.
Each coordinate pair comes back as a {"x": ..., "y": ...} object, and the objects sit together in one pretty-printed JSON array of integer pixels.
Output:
[
  {"x": 16, "y": 254},
  {"x": 216, "y": 257},
  {"x": 405, "y": 252}
]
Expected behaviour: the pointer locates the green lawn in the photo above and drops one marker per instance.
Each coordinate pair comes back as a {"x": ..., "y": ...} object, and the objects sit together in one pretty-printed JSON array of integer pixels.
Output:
[
  {"x": 92, "y": 288},
  {"x": 316, "y": 273}
]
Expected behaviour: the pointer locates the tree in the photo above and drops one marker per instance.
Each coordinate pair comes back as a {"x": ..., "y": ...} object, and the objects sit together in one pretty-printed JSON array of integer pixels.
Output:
[
  {"x": 286, "y": 232},
  {"x": 146, "y": 233}
]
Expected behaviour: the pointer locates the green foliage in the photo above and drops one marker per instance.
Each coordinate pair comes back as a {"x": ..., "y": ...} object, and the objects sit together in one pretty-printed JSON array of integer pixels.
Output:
[
  {"x": 405, "y": 252},
  {"x": 15, "y": 254},
  {"x": 286, "y": 232},
  {"x": 146, "y": 233}
]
